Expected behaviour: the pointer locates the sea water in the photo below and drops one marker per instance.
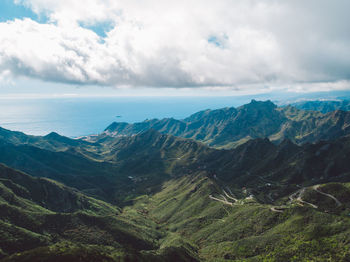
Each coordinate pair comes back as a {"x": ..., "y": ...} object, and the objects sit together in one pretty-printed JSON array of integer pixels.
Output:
[
  {"x": 80, "y": 116},
  {"x": 76, "y": 117}
]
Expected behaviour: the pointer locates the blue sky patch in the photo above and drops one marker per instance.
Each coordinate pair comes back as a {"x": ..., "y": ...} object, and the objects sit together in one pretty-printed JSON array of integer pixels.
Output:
[
  {"x": 99, "y": 28},
  {"x": 218, "y": 41},
  {"x": 9, "y": 11}
]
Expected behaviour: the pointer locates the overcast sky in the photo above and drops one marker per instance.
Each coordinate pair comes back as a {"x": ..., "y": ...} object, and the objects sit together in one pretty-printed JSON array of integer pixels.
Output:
[{"x": 200, "y": 46}]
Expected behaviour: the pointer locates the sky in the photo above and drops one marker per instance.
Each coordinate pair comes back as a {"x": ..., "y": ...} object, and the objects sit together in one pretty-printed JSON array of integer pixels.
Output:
[{"x": 163, "y": 47}]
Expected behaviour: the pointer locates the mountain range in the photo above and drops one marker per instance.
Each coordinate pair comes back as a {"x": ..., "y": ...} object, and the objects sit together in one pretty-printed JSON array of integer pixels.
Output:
[
  {"x": 253, "y": 183},
  {"x": 229, "y": 127}
]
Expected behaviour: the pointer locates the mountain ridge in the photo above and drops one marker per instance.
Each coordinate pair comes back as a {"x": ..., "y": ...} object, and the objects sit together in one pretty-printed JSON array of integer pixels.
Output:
[
  {"x": 324, "y": 106},
  {"x": 230, "y": 127}
]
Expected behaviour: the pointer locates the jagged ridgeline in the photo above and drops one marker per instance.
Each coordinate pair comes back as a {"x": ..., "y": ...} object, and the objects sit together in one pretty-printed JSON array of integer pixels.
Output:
[
  {"x": 229, "y": 127},
  {"x": 254, "y": 183}
]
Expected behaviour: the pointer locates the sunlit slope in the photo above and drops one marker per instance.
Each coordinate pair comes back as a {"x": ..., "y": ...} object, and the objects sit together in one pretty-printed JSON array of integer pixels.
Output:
[{"x": 190, "y": 211}]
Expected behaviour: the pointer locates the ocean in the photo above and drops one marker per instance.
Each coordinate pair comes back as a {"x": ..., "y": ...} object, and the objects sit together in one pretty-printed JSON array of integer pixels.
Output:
[{"x": 74, "y": 117}]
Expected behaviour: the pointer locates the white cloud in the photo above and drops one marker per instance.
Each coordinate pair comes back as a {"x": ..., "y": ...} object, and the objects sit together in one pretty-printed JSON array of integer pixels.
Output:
[
  {"x": 181, "y": 43},
  {"x": 321, "y": 86}
]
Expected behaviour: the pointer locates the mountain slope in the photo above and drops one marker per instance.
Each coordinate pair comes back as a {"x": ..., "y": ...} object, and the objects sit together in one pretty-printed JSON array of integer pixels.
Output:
[
  {"x": 196, "y": 216},
  {"x": 47, "y": 193},
  {"x": 271, "y": 171},
  {"x": 37, "y": 212},
  {"x": 42, "y": 219},
  {"x": 73, "y": 169}
]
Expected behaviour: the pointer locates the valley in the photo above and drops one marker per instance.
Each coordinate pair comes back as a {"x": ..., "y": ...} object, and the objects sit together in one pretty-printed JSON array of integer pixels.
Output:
[{"x": 272, "y": 184}]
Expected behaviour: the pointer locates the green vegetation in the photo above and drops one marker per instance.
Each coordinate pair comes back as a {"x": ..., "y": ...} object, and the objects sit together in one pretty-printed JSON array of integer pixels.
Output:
[
  {"x": 248, "y": 231},
  {"x": 157, "y": 197}
]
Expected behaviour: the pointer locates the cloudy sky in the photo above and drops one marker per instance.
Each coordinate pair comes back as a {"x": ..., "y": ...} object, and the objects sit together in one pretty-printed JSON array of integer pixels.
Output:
[{"x": 183, "y": 46}]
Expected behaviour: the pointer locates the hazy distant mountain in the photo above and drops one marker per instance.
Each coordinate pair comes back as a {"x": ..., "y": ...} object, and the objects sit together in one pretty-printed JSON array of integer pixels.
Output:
[
  {"x": 324, "y": 106},
  {"x": 229, "y": 127},
  {"x": 52, "y": 141}
]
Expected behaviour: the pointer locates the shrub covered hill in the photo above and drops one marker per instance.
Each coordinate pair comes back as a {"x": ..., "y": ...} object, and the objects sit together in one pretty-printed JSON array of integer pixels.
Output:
[{"x": 151, "y": 196}]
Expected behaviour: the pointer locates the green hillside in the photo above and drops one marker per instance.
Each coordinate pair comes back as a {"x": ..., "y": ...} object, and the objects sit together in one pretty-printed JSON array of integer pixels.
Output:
[
  {"x": 191, "y": 218},
  {"x": 43, "y": 219},
  {"x": 247, "y": 229}
]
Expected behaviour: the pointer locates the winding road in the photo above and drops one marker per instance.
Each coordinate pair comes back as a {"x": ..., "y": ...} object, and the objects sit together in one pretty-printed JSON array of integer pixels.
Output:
[
  {"x": 278, "y": 209},
  {"x": 316, "y": 188},
  {"x": 297, "y": 196},
  {"x": 230, "y": 197},
  {"x": 221, "y": 200},
  {"x": 225, "y": 198}
]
